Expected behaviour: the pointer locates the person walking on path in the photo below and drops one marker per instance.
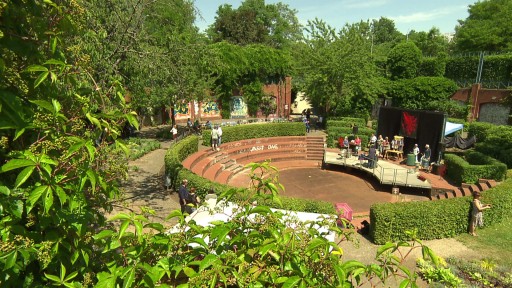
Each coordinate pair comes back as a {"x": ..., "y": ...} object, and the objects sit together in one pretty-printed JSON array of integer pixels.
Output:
[
  {"x": 183, "y": 195},
  {"x": 215, "y": 138},
  {"x": 477, "y": 218},
  {"x": 174, "y": 132}
]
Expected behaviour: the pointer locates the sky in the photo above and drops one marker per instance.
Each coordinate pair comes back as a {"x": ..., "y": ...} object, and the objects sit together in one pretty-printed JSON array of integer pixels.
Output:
[{"x": 418, "y": 15}]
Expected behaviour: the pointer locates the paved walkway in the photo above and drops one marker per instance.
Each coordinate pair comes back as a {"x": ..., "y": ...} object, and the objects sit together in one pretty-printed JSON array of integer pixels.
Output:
[{"x": 144, "y": 187}]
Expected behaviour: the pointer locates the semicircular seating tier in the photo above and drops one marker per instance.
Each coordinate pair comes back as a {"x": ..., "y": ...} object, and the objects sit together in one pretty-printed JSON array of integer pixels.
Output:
[{"x": 286, "y": 151}]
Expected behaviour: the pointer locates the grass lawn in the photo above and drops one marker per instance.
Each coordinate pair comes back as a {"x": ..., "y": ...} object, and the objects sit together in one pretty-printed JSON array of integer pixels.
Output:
[{"x": 493, "y": 242}]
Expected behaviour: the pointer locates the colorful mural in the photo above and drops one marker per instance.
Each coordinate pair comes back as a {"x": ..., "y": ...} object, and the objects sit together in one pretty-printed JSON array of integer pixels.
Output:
[
  {"x": 209, "y": 109},
  {"x": 182, "y": 111},
  {"x": 238, "y": 107}
]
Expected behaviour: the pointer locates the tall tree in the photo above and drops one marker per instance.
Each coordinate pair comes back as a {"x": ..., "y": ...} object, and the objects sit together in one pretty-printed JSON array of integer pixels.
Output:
[
  {"x": 431, "y": 43},
  {"x": 487, "y": 28},
  {"x": 404, "y": 60},
  {"x": 255, "y": 22},
  {"x": 336, "y": 71}
]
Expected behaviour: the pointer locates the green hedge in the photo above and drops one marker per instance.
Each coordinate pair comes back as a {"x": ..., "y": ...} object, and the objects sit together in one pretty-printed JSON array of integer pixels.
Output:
[
  {"x": 480, "y": 130},
  {"x": 252, "y": 131},
  {"x": 334, "y": 133},
  {"x": 345, "y": 122},
  {"x": 475, "y": 166},
  {"x": 176, "y": 154},
  {"x": 436, "y": 219}
]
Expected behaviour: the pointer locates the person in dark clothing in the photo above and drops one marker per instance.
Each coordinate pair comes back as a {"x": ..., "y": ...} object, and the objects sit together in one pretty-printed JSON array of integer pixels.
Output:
[
  {"x": 183, "y": 195},
  {"x": 192, "y": 201}
]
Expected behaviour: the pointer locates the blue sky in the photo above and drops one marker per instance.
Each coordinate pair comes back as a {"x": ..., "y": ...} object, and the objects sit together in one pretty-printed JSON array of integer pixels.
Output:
[{"x": 418, "y": 15}]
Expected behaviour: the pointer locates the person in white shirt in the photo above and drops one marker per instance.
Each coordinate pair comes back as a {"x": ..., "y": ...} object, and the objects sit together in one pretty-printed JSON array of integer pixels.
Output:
[
  {"x": 416, "y": 152},
  {"x": 174, "y": 132},
  {"x": 219, "y": 132}
]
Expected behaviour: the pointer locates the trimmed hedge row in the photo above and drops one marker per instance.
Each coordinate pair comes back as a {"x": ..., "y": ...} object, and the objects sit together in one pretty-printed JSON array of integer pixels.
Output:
[
  {"x": 180, "y": 151},
  {"x": 345, "y": 122},
  {"x": 252, "y": 131},
  {"x": 334, "y": 133},
  {"x": 472, "y": 167},
  {"x": 480, "y": 130},
  {"x": 436, "y": 219}
]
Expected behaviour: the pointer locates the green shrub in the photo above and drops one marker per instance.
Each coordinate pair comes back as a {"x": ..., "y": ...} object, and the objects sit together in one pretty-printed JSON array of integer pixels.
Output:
[
  {"x": 480, "y": 130},
  {"x": 140, "y": 147},
  {"x": 436, "y": 219},
  {"x": 345, "y": 122},
  {"x": 472, "y": 167},
  {"x": 334, "y": 133},
  {"x": 176, "y": 154},
  {"x": 252, "y": 131}
]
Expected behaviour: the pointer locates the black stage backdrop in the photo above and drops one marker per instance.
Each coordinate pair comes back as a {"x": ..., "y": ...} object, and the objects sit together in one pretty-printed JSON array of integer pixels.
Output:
[{"x": 417, "y": 127}]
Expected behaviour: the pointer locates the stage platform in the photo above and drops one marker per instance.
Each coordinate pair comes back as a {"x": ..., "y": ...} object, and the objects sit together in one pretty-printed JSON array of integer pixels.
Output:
[{"x": 386, "y": 172}]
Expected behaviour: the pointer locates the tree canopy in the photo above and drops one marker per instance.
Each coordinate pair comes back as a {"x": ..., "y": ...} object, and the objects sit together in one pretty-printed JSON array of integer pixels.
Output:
[
  {"x": 487, "y": 28},
  {"x": 255, "y": 22}
]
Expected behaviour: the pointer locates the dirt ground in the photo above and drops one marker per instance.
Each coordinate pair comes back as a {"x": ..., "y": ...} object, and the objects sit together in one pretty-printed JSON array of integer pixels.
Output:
[{"x": 145, "y": 188}]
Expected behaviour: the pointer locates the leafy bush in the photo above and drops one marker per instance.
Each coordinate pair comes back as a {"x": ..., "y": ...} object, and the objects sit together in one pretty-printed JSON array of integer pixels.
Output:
[
  {"x": 497, "y": 144},
  {"x": 140, "y": 147},
  {"x": 480, "y": 130},
  {"x": 176, "y": 154},
  {"x": 475, "y": 166},
  {"x": 436, "y": 219},
  {"x": 251, "y": 131},
  {"x": 334, "y": 133},
  {"x": 345, "y": 122}
]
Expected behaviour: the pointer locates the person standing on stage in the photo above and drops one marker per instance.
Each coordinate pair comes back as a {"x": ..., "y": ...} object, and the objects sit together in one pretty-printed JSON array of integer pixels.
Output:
[
  {"x": 416, "y": 152},
  {"x": 425, "y": 159}
]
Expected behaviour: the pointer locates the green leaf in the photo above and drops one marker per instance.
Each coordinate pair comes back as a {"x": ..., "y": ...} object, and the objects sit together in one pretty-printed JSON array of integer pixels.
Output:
[
  {"x": 405, "y": 283},
  {"x": 63, "y": 198},
  {"x": 16, "y": 164},
  {"x": 44, "y": 104},
  {"x": 93, "y": 120},
  {"x": 91, "y": 149},
  {"x": 10, "y": 259},
  {"x": 36, "y": 68},
  {"x": 220, "y": 233},
  {"x": 291, "y": 282},
  {"x": 75, "y": 147},
  {"x": 23, "y": 176},
  {"x": 128, "y": 280},
  {"x": 54, "y": 62},
  {"x": 316, "y": 242},
  {"x": 85, "y": 256},
  {"x": 35, "y": 195},
  {"x": 52, "y": 277},
  {"x": 189, "y": 272},
  {"x": 103, "y": 234},
  {"x": 41, "y": 78},
  {"x": 123, "y": 228},
  {"x": 5, "y": 190},
  {"x": 92, "y": 178},
  {"x": 54, "y": 44},
  {"x": 56, "y": 105},
  {"x": 260, "y": 210},
  {"x": 174, "y": 213},
  {"x": 18, "y": 133},
  {"x": 385, "y": 247},
  {"x": 48, "y": 200},
  {"x": 120, "y": 216},
  {"x": 208, "y": 261}
]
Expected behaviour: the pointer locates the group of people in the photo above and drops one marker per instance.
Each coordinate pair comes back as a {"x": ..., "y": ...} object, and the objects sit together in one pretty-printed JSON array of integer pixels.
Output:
[
  {"x": 216, "y": 137},
  {"x": 189, "y": 200}
]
